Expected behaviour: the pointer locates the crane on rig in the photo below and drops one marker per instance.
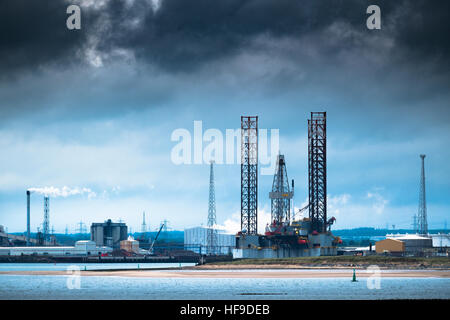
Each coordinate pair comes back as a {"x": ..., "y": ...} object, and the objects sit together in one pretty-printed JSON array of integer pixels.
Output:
[{"x": 300, "y": 211}]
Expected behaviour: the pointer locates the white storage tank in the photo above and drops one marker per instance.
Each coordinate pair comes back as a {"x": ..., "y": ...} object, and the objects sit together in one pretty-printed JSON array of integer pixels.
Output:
[{"x": 195, "y": 239}]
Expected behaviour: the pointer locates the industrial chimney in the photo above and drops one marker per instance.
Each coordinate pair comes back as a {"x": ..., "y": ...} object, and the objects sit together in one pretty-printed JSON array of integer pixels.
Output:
[{"x": 28, "y": 217}]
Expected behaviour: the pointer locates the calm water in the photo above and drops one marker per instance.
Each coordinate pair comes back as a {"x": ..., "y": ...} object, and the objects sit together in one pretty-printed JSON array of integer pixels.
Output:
[
  {"x": 86, "y": 266},
  {"x": 93, "y": 287}
]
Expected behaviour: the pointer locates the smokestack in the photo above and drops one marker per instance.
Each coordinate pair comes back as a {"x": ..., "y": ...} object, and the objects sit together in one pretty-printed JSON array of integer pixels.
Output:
[{"x": 28, "y": 217}]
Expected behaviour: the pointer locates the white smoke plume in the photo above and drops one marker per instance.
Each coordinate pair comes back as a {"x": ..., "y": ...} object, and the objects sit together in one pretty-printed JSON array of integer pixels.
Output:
[{"x": 63, "y": 192}]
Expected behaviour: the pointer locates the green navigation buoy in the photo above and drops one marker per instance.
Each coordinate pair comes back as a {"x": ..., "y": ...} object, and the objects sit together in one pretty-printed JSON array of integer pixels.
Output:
[{"x": 354, "y": 276}]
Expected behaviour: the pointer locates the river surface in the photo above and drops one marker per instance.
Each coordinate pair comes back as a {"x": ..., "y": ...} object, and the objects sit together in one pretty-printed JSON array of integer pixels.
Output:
[
  {"x": 86, "y": 266},
  {"x": 117, "y": 287}
]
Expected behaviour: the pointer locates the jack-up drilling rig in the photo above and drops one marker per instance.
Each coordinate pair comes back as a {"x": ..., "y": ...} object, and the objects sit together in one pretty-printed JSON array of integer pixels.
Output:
[{"x": 287, "y": 236}]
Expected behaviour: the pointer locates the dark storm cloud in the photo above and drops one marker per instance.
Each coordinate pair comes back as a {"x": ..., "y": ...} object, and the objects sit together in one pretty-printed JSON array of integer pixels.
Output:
[
  {"x": 182, "y": 35},
  {"x": 33, "y": 34}
]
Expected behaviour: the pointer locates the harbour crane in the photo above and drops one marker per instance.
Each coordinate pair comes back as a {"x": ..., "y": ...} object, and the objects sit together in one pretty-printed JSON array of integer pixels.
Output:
[{"x": 156, "y": 238}]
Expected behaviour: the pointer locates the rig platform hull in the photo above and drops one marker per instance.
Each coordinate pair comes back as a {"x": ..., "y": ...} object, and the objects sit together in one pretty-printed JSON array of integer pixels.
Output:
[
  {"x": 269, "y": 253},
  {"x": 285, "y": 246}
]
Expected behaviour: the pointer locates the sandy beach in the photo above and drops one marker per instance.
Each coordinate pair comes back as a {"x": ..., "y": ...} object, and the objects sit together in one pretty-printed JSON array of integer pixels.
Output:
[{"x": 245, "y": 273}]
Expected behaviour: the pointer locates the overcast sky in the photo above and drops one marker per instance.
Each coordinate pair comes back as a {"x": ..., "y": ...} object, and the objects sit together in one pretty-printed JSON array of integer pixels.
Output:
[{"x": 95, "y": 108}]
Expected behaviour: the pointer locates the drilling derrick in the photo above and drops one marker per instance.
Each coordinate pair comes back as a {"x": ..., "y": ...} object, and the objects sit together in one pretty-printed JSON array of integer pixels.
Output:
[
  {"x": 249, "y": 175},
  {"x": 212, "y": 232},
  {"x": 281, "y": 194},
  {"x": 46, "y": 224},
  {"x": 317, "y": 171}
]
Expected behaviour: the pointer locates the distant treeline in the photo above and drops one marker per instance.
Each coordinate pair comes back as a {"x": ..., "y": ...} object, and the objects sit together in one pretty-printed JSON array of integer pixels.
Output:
[
  {"x": 373, "y": 232},
  {"x": 173, "y": 236}
]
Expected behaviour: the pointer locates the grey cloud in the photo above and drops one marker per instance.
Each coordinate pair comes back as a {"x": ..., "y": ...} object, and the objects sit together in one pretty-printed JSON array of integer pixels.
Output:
[
  {"x": 33, "y": 35},
  {"x": 183, "y": 35},
  {"x": 309, "y": 50}
]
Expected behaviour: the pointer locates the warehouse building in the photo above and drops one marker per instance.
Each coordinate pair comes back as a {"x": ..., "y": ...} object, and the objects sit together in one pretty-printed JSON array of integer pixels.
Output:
[
  {"x": 413, "y": 243},
  {"x": 195, "y": 239},
  {"x": 390, "y": 246},
  {"x": 81, "y": 248},
  {"x": 405, "y": 244},
  {"x": 109, "y": 233}
]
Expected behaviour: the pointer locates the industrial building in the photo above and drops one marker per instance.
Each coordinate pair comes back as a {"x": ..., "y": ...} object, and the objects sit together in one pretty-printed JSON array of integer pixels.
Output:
[
  {"x": 405, "y": 244},
  {"x": 109, "y": 233},
  {"x": 130, "y": 245},
  {"x": 196, "y": 240},
  {"x": 413, "y": 243},
  {"x": 356, "y": 251},
  {"x": 81, "y": 248},
  {"x": 441, "y": 240},
  {"x": 3, "y": 237},
  {"x": 390, "y": 246}
]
